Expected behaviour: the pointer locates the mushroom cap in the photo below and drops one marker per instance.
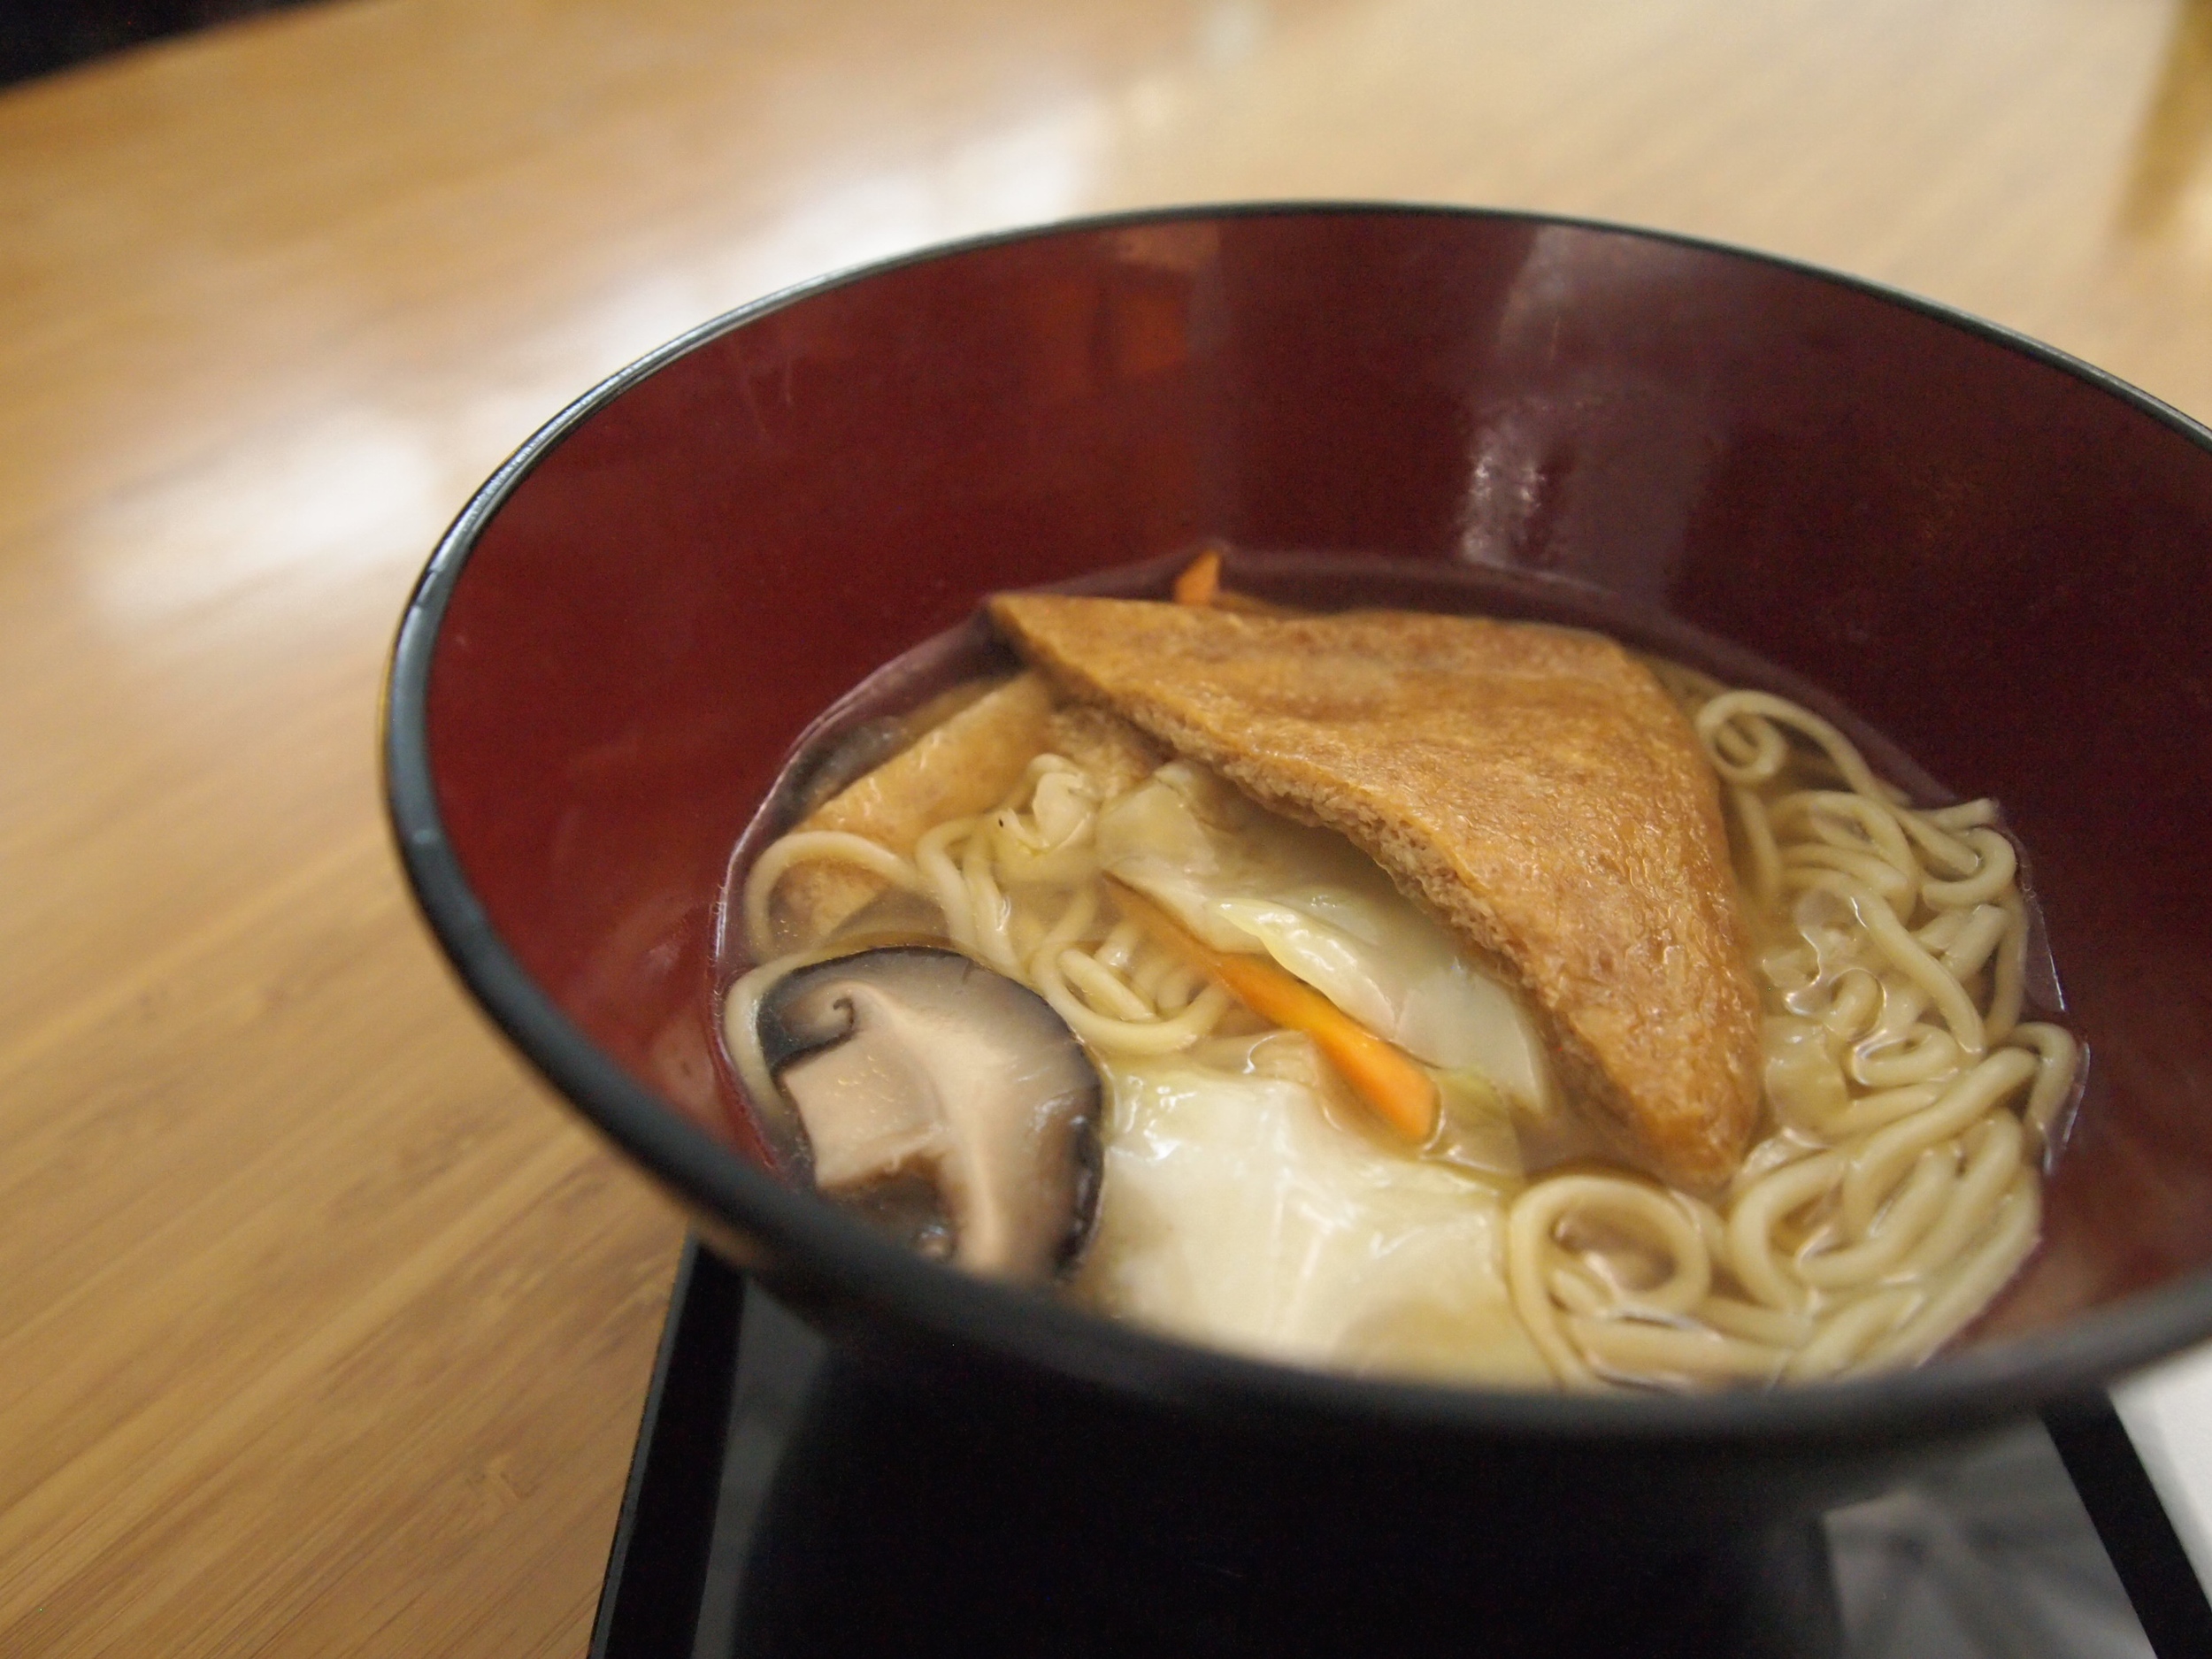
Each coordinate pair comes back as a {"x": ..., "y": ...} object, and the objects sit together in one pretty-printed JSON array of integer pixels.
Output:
[{"x": 943, "y": 1101}]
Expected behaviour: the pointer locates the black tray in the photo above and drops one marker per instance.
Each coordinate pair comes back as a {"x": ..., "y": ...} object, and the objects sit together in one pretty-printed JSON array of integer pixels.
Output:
[{"x": 1994, "y": 1554}]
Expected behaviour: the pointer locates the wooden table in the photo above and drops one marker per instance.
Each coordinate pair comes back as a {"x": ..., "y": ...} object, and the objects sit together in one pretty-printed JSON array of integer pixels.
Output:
[{"x": 322, "y": 1329}]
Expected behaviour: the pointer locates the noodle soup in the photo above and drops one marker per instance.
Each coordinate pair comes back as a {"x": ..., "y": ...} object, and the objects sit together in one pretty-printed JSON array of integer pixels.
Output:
[{"x": 1312, "y": 1123}]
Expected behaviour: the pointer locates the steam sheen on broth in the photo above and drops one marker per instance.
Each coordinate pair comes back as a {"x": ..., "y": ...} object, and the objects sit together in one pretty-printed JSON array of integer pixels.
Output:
[{"x": 1246, "y": 1196}]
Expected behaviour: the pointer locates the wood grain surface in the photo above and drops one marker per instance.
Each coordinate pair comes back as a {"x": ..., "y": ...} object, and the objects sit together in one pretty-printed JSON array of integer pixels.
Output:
[{"x": 322, "y": 1328}]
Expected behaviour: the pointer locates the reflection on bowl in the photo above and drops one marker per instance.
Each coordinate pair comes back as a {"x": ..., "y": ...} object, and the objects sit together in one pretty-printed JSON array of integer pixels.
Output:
[{"x": 1985, "y": 550}]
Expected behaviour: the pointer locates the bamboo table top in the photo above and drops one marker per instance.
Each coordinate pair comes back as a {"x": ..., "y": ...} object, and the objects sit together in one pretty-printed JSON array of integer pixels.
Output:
[{"x": 322, "y": 1328}]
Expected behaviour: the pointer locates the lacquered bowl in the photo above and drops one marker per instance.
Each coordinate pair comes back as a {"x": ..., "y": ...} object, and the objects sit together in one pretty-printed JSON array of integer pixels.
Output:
[{"x": 1993, "y": 554}]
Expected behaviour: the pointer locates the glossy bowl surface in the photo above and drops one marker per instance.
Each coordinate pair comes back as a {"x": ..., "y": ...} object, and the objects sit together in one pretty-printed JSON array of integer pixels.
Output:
[{"x": 1993, "y": 554}]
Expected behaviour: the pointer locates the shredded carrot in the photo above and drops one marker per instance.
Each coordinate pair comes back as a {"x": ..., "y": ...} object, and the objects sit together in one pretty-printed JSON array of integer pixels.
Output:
[
  {"x": 1398, "y": 1090},
  {"x": 1201, "y": 579}
]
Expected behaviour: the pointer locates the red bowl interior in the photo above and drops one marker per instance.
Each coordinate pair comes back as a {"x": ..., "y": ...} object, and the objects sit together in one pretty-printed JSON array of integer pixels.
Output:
[{"x": 1991, "y": 554}]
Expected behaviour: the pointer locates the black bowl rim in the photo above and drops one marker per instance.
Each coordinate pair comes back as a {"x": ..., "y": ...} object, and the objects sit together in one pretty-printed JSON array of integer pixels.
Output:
[{"x": 814, "y": 1248}]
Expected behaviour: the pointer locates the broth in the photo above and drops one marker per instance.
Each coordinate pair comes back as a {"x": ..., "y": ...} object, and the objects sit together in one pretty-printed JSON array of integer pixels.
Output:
[{"x": 1910, "y": 1101}]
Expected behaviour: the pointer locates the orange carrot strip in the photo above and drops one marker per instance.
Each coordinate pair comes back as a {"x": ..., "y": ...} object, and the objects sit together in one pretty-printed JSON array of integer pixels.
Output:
[
  {"x": 1201, "y": 579},
  {"x": 1398, "y": 1090}
]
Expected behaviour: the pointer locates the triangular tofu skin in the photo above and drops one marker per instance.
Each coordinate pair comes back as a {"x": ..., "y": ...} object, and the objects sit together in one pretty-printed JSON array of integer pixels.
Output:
[{"x": 1532, "y": 787}]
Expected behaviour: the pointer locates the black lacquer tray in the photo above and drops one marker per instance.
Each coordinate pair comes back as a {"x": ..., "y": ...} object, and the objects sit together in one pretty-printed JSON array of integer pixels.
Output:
[{"x": 785, "y": 1500}]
